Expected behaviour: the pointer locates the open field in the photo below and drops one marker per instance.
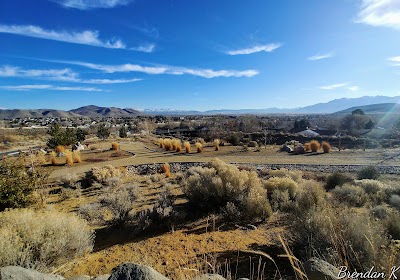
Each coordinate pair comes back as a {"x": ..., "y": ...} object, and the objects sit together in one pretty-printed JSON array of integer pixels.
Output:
[
  {"x": 147, "y": 152},
  {"x": 136, "y": 202}
]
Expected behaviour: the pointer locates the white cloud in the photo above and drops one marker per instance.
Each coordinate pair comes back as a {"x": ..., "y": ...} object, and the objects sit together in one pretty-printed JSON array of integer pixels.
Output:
[
  {"x": 347, "y": 85},
  {"x": 65, "y": 75},
  {"x": 320, "y": 56},
  {"x": 48, "y": 87},
  {"x": 380, "y": 13},
  {"x": 259, "y": 48},
  {"x": 334, "y": 86},
  {"x": 91, "y": 4},
  {"x": 86, "y": 37},
  {"x": 353, "y": 88},
  {"x": 164, "y": 69},
  {"x": 395, "y": 60}
]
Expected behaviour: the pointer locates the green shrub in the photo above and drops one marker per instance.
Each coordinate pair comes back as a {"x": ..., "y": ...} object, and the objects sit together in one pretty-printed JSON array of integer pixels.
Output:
[
  {"x": 282, "y": 184},
  {"x": 17, "y": 183},
  {"x": 120, "y": 203},
  {"x": 379, "y": 212},
  {"x": 369, "y": 172},
  {"x": 210, "y": 189},
  {"x": 393, "y": 226},
  {"x": 351, "y": 194},
  {"x": 374, "y": 189},
  {"x": 280, "y": 200},
  {"x": 102, "y": 174},
  {"x": 40, "y": 240},
  {"x": 394, "y": 201},
  {"x": 336, "y": 179},
  {"x": 311, "y": 195},
  {"x": 296, "y": 175},
  {"x": 161, "y": 215}
]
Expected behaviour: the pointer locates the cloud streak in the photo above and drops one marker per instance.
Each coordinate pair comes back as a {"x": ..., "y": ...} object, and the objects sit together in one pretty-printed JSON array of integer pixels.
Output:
[
  {"x": 334, "y": 86},
  {"x": 65, "y": 75},
  {"x": 164, "y": 69},
  {"x": 255, "y": 49},
  {"x": 48, "y": 87},
  {"x": 348, "y": 86},
  {"x": 86, "y": 37},
  {"x": 91, "y": 4},
  {"x": 395, "y": 60},
  {"x": 320, "y": 56},
  {"x": 380, "y": 13}
]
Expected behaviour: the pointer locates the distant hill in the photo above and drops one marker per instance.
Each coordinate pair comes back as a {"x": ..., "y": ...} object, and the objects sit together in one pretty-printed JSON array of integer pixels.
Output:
[
  {"x": 37, "y": 113},
  {"x": 345, "y": 103},
  {"x": 320, "y": 108},
  {"x": 378, "y": 103},
  {"x": 382, "y": 108},
  {"x": 93, "y": 111}
]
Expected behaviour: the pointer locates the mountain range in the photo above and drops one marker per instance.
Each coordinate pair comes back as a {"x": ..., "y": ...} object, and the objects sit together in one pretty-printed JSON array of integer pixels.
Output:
[{"x": 337, "y": 105}]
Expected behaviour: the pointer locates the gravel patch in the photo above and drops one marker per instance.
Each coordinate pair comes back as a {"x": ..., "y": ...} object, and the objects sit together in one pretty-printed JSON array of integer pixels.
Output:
[{"x": 148, "y": 169}]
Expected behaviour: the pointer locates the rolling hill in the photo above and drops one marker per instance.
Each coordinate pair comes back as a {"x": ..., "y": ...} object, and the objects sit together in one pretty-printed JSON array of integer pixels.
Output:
[
  {"x": 38, "y": 113},
  {"x": 369, "y": 104},
  {"x": 382, "y": 108},
  {"x": 93, "y": 111}
]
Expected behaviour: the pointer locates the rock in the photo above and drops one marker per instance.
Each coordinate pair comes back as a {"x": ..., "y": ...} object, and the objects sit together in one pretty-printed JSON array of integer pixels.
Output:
[
  {"x": 286, "y": 148},
  {"x": 78, "y": 147},
  {"x": 209, "y": 276},
  {"x": 20, "y": 273},
  {"x": 317, "y": 269},
  {"x": 102, "y": 277},
  {"x": 131, "y": 271}
]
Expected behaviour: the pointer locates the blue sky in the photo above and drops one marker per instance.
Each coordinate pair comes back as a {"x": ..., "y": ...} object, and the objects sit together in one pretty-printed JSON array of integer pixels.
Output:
[{"x": 196, "y": 54}]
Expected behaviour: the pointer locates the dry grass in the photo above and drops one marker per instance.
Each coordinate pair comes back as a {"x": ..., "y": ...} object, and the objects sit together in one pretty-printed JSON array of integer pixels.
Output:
[
  {"x": 53, "y": 158},
  {"x": 114, "y": 146},
  {"x": 314, "y": 145},
  {"x": 326, "y": 147},
  {"x": 42, "y": 239},
  {"x": 199, "y": 147},
  {"x": 307, "y": 147},
  {"x": 166, "y": 169},
  {"x": 161, "y": 143},
  {"x": 177, "y": 145},
  {"x": 41, "y": 157},
  {"x": 167, "y": 144},
  {"x": 68, "y": 158},
  {"x": 101, "y": 174},
  {"x": 60, "y": 149},
  {"x": 187, "y": 147},
  {"x": 76, "y": 155},
  {"x": 217, "y": 142}
]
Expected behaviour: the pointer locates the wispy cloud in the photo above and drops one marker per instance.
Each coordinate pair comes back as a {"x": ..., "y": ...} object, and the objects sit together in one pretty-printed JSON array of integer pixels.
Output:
[
  {"x": 353, "y": 88},
  {"x": 86, "y": 37},
  {"x": 151, "y": 32},
  {"x": 320, "y": 56},
  {"x": 48, "y": 87},
  {"x": 164, "y": 69},
  {"x": 395, "y": 60},
  {"x": 255, "y": 49},
  {"x": 65, "y": 75},
  {"x": 334, "y": 86},
  {"x": 380, "y": 13},
  {"x": 347, "y": 85},
  {"x": 91, "y": 4}
]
